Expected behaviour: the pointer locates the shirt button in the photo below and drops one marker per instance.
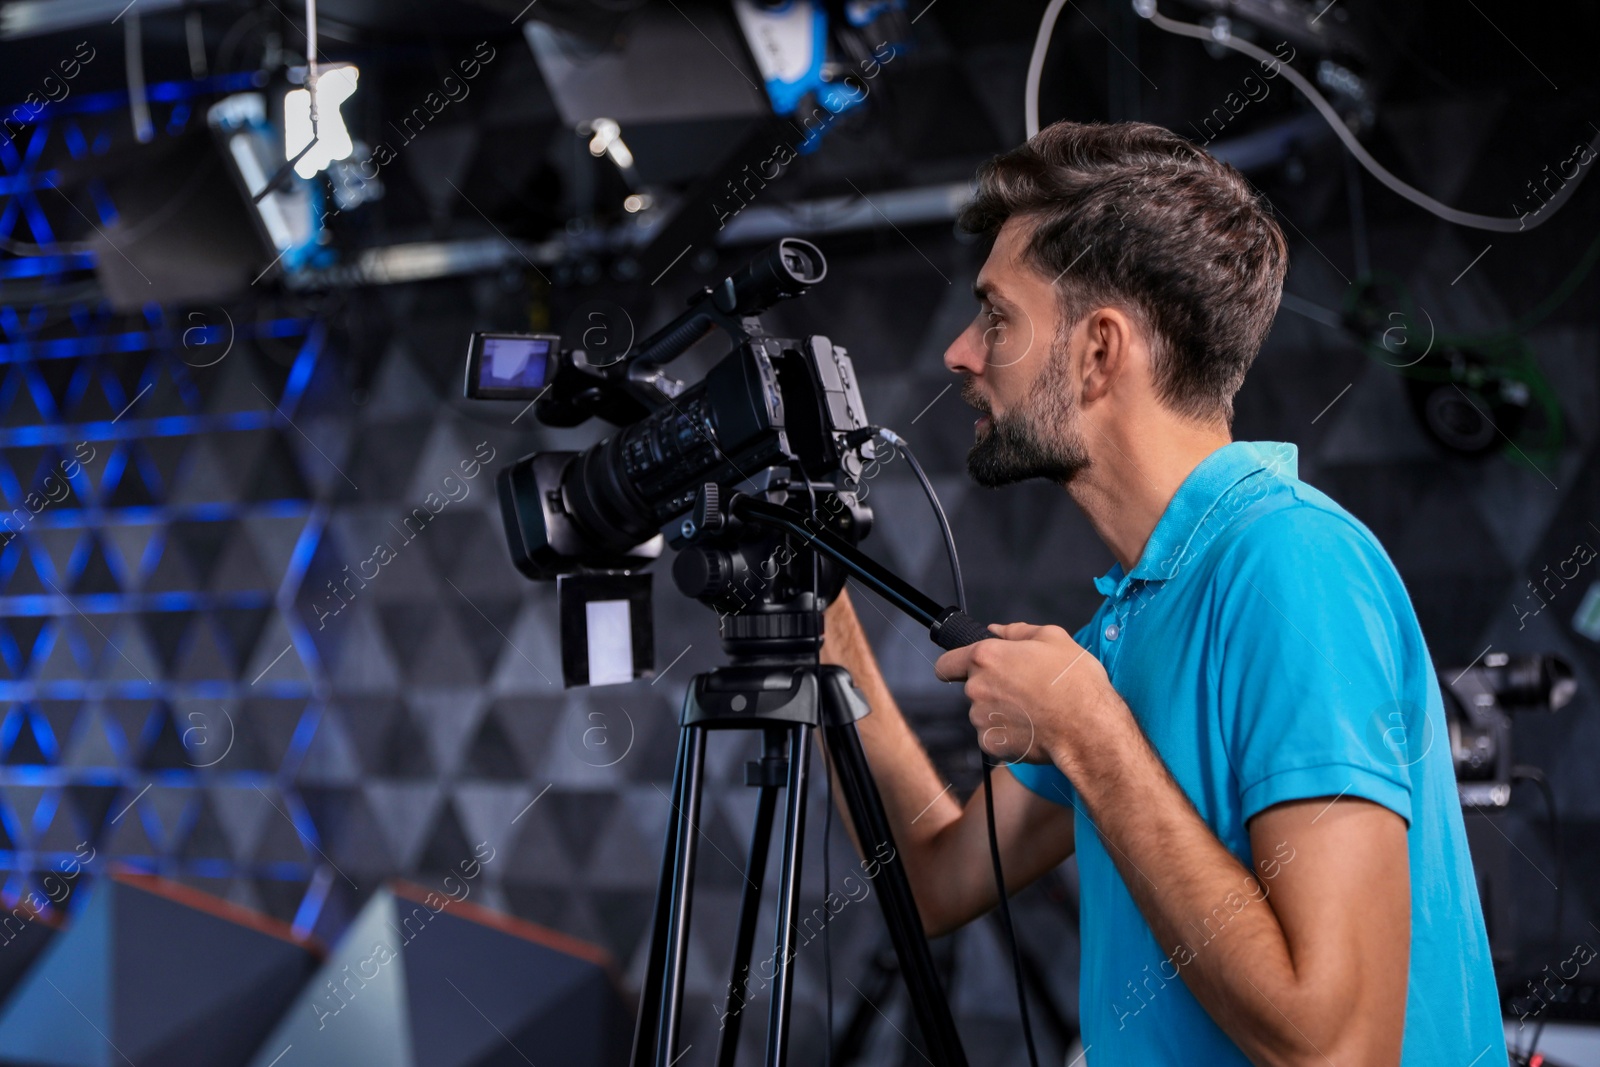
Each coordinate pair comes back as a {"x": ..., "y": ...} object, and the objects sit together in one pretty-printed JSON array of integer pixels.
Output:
[{"x": 1112, "y": 632}]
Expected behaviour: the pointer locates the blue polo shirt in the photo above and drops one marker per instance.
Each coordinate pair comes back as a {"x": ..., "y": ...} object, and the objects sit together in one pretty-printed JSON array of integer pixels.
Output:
[{"x": 1268, "y": 649}]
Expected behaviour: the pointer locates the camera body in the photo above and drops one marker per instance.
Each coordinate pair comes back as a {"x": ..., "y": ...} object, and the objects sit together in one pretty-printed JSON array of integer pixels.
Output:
[
  {"x": 771, "y": 413},
  {"x": 769, "y": 403}
]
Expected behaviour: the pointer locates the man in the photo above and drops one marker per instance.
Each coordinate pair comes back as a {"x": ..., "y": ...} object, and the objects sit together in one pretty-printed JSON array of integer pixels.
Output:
[{"x": 1246, "y": 745}]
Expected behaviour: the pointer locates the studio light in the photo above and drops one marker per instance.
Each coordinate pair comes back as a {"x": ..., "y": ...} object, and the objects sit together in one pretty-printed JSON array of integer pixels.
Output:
[{"x": 335, "y": 85}]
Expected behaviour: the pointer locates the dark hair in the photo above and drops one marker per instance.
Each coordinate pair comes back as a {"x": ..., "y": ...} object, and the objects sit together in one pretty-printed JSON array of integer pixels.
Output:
[{"x": 1134, "y": 216}]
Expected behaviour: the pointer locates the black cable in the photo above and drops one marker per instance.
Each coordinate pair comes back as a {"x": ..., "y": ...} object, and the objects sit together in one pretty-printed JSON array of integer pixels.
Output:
[
  {"x": 816, "y": 566},
  {"x": 1491, "y": 223},
  {"x": 899, "y": 442},
  {"x": 988, "y": 776},
  {"x": 1525, "y": 773},
  {"x": 827, "y": 836},
  {"x": 1005, "y": 910}
]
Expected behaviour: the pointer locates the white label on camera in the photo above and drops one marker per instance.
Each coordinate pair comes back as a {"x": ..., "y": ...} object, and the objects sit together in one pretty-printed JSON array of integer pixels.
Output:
[{"x": 610, "y": 641}]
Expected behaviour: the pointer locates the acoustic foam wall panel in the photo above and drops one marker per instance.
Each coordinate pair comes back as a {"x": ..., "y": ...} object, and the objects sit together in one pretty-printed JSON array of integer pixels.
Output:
[
  {"x": 419, "y": 980},
  {"x": 153, "y": 972}
]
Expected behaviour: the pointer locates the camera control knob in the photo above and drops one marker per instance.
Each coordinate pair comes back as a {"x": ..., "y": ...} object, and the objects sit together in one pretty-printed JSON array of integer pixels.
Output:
[
  {"x": 708, "y": 516},
  {"x": 706, "y": 572}
]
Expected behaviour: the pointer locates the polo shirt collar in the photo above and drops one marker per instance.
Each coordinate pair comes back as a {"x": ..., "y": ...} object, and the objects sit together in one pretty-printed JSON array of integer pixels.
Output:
[{"x": 1195, "y": 499}]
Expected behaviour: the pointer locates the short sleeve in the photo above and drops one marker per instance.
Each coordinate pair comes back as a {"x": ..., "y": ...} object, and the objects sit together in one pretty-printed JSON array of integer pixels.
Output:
[
  {"x": 1045, "y": 779},
  {"x": 1313, "y": 665}
]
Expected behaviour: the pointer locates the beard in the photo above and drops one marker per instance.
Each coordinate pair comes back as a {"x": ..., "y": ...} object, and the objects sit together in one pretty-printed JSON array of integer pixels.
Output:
[{"x": 1041, "y": 438}]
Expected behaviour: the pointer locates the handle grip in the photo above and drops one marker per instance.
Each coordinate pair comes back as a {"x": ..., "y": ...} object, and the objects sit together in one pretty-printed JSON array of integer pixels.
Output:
[{"x": 956, "y": 629}]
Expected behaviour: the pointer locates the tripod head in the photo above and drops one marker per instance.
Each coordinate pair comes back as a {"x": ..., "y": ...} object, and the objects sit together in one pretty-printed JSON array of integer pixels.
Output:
[
  {"x": 769, "y": 569},
  {"x": 767, "y": 585}
]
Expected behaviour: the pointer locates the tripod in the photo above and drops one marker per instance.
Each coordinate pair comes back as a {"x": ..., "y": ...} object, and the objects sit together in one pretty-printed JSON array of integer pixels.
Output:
[
  {"x": 775, "y": 685},
  {"x": 786, "y": 702}
]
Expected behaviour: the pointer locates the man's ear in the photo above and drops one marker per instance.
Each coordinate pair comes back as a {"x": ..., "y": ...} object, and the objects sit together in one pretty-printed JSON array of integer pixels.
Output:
[{"x": 1107, "y": 351}]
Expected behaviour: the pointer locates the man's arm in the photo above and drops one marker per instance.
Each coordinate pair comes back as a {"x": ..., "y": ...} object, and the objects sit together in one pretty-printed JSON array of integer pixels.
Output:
[
  {"x": 944, "y": 846},
  {"x": 1303, "y": 961},
  {"x": 1310, "y": 967}
]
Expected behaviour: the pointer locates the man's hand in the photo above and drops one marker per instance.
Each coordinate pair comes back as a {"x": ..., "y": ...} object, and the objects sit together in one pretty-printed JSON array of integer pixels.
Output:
[{"x": 1034, "y": 693}]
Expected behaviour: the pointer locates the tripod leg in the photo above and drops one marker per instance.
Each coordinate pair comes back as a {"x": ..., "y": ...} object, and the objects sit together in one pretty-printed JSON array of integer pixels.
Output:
[
  {"x": 894, "y": 895},
  {"x": 749, "y": 907},
  {"x": 644, "y": 1031},
  {"x": 794, "y": 830},
  {"x": 686, "y": 815}
]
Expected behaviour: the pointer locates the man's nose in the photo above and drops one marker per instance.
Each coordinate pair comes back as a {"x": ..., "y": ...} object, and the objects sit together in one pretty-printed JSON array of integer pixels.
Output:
[{"x": 965, "y": 355}]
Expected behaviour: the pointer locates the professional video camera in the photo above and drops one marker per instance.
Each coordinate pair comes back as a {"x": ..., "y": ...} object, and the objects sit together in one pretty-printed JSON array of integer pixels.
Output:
[
  {"x": 754, "y": 475},
  {"x": 770, "y": 403}
]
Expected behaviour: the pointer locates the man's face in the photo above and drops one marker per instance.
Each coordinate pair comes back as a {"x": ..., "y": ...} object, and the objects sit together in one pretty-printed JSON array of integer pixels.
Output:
[{"x": 1017, "y": 367}]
